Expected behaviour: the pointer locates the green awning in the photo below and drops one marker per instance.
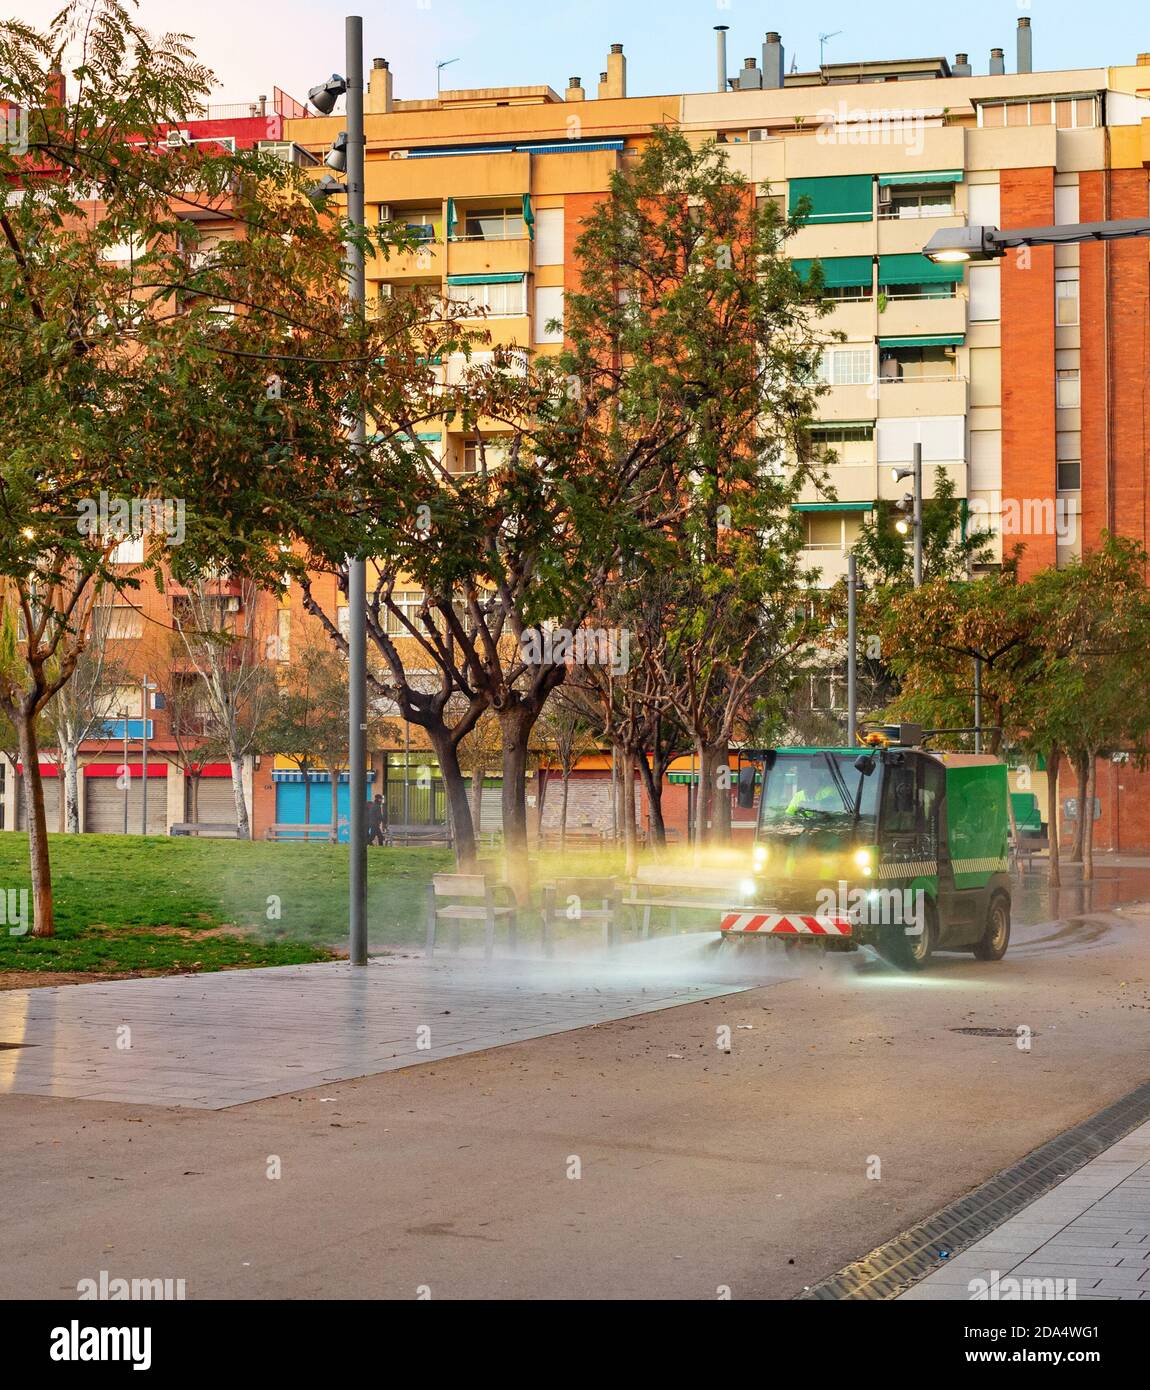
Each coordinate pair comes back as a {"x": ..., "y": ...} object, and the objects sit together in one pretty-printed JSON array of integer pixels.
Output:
[
  {"x": 935, "y": 176},
  {"x": 511, "y": 279},
  {"x": 822, "y": 426},
  {"x": 924, "y": 340},
  {"x": 832, "y": 506},
  {"x": 844, "y": 198},
  {"x": 914, "y": 268},
  {"x": 528, "y": 216},
  {"x": 839, "y": 272}
]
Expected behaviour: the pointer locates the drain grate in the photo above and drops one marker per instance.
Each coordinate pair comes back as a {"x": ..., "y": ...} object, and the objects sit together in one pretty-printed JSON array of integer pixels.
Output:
[
  {"x": 895, "y": 1266},
  {"x": 989, "y": 1032}
]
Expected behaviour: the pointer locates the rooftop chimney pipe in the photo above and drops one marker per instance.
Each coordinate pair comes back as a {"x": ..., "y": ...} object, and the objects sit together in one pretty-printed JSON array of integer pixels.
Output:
[
  {"x": 961, "y": 66},
  {"x": 1025, "y": 46},
  {"x": 773, "y": 60},
  {"x": 750, "y": 79},
  {"x": 997, "y": 63},
  {"x": 721, "y": 47}
]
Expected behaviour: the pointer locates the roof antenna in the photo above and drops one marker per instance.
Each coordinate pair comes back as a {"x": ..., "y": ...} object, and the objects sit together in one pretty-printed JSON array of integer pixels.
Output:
[
  {"x": 447, "y": 62},
  {"x": 823, "y": 40}
]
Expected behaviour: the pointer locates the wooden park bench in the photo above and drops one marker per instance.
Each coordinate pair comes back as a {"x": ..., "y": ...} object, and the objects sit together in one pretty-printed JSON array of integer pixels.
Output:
[
  {"x": 306, "y": 833},
  {"x": 659, "y": 889},
  {"x": 581, "y": 900},
  {"x": 428, "y": 835},
  {"x": 457, "y": 898},
  {"x": 212, "y": 830},
  {"x": 583, "y": 838}
]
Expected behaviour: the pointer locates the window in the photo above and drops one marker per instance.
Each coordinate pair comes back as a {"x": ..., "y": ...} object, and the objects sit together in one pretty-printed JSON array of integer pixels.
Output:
[
  {"x": 126, "y": 702},
  {"x": 1066, "y": 297},
  {"x": 930, "y": 289},
  {"x": 917, "y": 364},
  {"x": 1069, "y": 393},
  {"x": 828, "y": 530},
  {"x": 477, "y": 458},
  {"x": 1069, "y": 475},
  {"x": 852, "y": 366},
  {"x": 283, "y": 634},
  {"x": 846, "y": 293},
  {"x": 124, "y": 622},
  {"x": 506, "y": 299},
  {"x": 850, "y": 443},
  {"x": 494, "y": 224},
  {"x": 549, "y": 229},
  {"x": 985, "y": 293},
  {"x": 924, "y": 201},
  {"x": 1065, "y": 203},
  {"x": 984, "y": 205},
  {"x": 548, "y": 307},
  {"x": 129, "y": 551},
  {"x": 1067, "y": 113},
  {"x": 409, "y": 603}
]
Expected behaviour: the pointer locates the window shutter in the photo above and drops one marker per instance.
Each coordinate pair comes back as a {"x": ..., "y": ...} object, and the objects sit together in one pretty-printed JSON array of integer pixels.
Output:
[
  {"x": 549, "y": 228},
  {"x": 844, "y": 198}
]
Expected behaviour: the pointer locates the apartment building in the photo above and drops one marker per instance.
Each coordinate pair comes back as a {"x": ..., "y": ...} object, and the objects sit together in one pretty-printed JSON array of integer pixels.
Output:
[{"x": 1026, "y": 381}]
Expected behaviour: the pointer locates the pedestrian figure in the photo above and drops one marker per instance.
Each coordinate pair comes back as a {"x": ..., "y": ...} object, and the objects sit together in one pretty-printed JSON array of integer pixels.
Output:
[{"x": 376, "y": 820}]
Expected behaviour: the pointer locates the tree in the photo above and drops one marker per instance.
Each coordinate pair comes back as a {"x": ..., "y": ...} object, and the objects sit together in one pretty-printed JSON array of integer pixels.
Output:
[
  {"x": 218, "y": 623},
  {"x": 696, "y": 329},
  {"x": 479, "y": 751},
  {"x": 211, "y": 388},
  {"x": 82, "y": 706},
  {"x": 564, "y": 735}
]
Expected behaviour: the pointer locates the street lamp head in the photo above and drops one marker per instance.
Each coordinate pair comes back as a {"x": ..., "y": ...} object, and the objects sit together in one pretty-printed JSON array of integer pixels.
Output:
[
  {"x": 337, "y": 155},
  {"x": 325, "y": 188},
  {"x": 902, "y": 527},
  {"x": 957, "y": 244},
  {"x": 324, "y": 97},
  {"x": 898, "y": 474}
]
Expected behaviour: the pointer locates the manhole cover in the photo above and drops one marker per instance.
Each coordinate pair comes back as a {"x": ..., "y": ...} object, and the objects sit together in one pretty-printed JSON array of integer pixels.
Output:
[{"x": 988, "y": 1032}]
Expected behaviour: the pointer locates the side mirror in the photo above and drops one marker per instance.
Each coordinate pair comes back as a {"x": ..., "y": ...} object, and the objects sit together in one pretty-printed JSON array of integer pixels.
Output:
[
  {"x": 865, "y": 764},
  {"x": 748, "y": 778}
]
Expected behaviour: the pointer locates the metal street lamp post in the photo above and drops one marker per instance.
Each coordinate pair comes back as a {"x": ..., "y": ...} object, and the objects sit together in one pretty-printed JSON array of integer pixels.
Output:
[{"x": 347, "y": 157}]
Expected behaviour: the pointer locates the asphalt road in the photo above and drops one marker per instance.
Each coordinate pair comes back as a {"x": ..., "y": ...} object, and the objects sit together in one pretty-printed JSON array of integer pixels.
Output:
[{"x": 635, "y": 1159}]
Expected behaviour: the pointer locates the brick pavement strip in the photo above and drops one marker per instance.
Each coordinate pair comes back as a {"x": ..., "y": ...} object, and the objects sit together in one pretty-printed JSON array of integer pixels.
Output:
[{"x": 1102, "y": 1241}]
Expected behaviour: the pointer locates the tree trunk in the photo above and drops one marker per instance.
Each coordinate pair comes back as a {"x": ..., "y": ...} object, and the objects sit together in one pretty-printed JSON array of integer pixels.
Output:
[
  {"x": 243, "y": 825},
  {"x": 195, "y": 808},
  {"x": 654, "y": 786},
  {"x": 71, "y": 791},
  {"x": 478, "y": 777},
  {"x": 1081, "y": 770},
  {"x": 306, "y": 795},
  {"x": 721, "y": 793},
  {"x": 1052, "y": 814},
  {"x": 515, "y": 725},
  {"x": 563, "y": 811},
  {"x": 702, "y": 796},
  {"x": 630, "y": 845},
  {"x": 1086, "y": 819},
  {"x": 335, "y": 804},
  {"x": 455, "y": 789},
  {"x": 615, "y": 818},
  {"x": 43, "y": 917}
]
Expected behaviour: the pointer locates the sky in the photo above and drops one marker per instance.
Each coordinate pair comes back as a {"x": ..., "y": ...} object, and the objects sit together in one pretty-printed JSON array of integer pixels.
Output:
[{"x": 253, "y": 45}]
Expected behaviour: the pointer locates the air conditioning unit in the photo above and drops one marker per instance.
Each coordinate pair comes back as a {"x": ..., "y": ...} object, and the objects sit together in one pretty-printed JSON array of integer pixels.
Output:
[
  {"x": 176, "y": 138},
  {"x": 885, "y": 196}
]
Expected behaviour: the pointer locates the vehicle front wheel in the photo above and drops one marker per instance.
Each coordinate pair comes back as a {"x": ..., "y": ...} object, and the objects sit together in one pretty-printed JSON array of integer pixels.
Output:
[
  {"x": 993, "y": 943},
  {"x": 911, "y": 952}
]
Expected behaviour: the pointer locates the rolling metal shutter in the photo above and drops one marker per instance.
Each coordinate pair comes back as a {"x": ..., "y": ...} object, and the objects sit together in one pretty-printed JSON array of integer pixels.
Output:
[
  {"x": 217, "y": 802},
  {"x": 53, "y": 793},
  {"x": 105, "y": 806}
]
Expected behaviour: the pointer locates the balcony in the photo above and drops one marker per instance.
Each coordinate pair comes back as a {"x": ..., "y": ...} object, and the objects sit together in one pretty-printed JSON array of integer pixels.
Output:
[
  {"x": 476, "y": 256},
  {"x": 901, "y": 236},
  {"x": 428, "y": 263},
  {"x": 908, "y": 316},
  {"x": 923, "y": 395}
]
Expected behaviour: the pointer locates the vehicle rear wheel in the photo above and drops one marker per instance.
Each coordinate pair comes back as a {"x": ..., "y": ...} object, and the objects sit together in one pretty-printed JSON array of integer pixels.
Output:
[
  {"x": 912, "y": 952},
  {"x": 993, "y": 943}
]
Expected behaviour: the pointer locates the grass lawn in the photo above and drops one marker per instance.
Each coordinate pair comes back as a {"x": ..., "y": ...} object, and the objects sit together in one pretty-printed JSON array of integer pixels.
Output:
[{"x": 127, "y": 904}]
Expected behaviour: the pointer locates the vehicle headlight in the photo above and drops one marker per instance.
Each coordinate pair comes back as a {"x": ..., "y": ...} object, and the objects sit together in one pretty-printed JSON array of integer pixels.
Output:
[
  {"x": 865, "y": 861},
  {"x": 760, "y": 856}
]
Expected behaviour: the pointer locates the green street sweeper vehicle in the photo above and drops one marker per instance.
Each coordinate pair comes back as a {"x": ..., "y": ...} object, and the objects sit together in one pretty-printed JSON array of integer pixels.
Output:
[{"x": 891, "y": 846}]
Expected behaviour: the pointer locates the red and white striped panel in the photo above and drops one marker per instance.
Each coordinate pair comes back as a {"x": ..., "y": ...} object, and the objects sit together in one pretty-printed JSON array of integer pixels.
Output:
[{"x": 764, "y": 925}]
